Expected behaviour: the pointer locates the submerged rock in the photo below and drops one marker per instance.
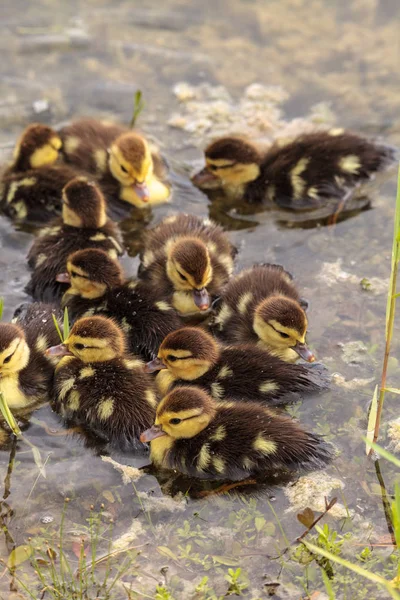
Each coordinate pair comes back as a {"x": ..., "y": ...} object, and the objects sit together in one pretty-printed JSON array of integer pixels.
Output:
[{"x": 311, "y": 490}]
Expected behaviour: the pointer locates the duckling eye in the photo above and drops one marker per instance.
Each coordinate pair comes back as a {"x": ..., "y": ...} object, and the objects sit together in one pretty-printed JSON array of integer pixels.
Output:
[
  {"x": 182, "y": 276},
  {"x": 171, "y": 358},
  {"x": 284, "y": 335},
  {"x": 7, "y": 360},
  {"x": 123, "y": 169},
  {"x": 175, "y": 421},
  {"x": 79, "y": 346}
]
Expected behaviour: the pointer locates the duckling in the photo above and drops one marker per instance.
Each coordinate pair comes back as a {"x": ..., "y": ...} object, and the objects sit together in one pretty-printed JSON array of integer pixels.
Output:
[
  {"x": 195, "y": 435},
  {"x": 26, "y": 372},
  {"x": 301, "y": 174},
  {"x": 97, "y": 383},
  {"x": 124, "y": 162},
  {"x": 190, "y": 356},
  {"x": 189, "y": 260},
  {"x": 83, "y": 224},
  {"x": 30, "y": 188},
  {"x": 261, "y": 305},
  {"x": 97, "y": 286}
]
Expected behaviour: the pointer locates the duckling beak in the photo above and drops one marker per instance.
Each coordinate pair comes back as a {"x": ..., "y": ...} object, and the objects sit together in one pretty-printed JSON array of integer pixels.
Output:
[
  {"x": 205, "y": 179},
  {"x": 303, "y": 351},
  {"x": 63, "y": 278},
  {"x": 142, "y": 191},
  {"x": 201, "y": 299},
  {"x": 154, "y": 365},
  {"x": 152, "y": 433},
  {"x": 60, "y": 350}
]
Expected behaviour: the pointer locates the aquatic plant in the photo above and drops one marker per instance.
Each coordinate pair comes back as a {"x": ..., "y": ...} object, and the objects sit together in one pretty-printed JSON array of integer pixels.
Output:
[
  {"x": 138, "y": 106},
  {"x": 379, "y": 396}
]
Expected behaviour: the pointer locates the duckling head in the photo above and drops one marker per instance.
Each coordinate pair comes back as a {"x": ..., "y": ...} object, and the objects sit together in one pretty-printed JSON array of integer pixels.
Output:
[
  {"x": 91, "y": 272},
  {"x": 38, "y": 146},
  {"x": 14, "y": 350},
  {"x": 131, "y": 163},
  {"x": 83, "y": 204},
  {"x": 231, "y": 163},
  {"x": 189, "y": 269},
  {"x": 281, "y": 324},
  {"x": 183, "y": 413},
  {"x": 92, "y": 339},
  {"x": 188, "y": 353}
]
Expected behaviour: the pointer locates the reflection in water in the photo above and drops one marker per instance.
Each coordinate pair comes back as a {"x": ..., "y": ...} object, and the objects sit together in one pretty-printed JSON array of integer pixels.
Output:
[{"x": 89, "y": 59}]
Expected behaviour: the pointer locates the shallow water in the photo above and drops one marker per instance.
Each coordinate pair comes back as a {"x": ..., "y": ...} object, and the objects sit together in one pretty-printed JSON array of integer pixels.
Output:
[{"x": 61, "y": 60}]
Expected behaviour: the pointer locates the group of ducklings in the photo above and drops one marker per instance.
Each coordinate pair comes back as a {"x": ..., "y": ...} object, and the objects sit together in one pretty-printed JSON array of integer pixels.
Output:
[{"x": 225, "y": 345}]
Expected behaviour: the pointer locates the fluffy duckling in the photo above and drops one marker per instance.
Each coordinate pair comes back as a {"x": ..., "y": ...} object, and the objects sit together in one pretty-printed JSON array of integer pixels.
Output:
[
  {"x": 195, "y": 435},
  {"x": 190, "y": 356},
  {"x": 98, "y": 384},
  {"x": 31, "y": 186},
  {"x": 189, "y": 260},
  {"x": 300, "y": 174},
  {"x": 122, "y": 160},
  {"x": 262, "y": 305},
  {"x": 26, "y": 372},
  {"x": 97, "y": 286},
  {"x": 83, "y": 224}
]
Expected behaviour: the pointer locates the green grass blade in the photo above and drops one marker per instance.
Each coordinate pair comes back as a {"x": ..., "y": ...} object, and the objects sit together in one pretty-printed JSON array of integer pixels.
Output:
[
  {"x": 57, "y": 326},
  {"x": 138, "y": 106},
  {"x": 395, "y": 251},
  {"x": 8, "y": 416},
  {"x": 392, "y": 390},
  {"x": 66, "y": 324},
  {"x": 328, "y": 585},
  {"x": 1, "y": 308},
  {"x": 388, "y": 455},
  {"x": 372, "y": 420},
  {"x": 355, "y": 568}
]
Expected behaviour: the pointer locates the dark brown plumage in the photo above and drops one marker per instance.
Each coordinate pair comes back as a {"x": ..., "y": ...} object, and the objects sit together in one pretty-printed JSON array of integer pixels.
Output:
[
  {"x": 185, "y": 255},
  {"x": 33, "y": 137},
  {"x": 83, "y": 225},
  {"x": 90, "y": 144},
  {"x": 102, "y": 386},
  {"x": 249, "y": 373},
  {"x": 26, "y": 373},
  {"x": 254, "y": 298},
  {"x": 146, "y": 320},
  {"x": 236, "y": 440},
  {"x": 301, "y": 174}
]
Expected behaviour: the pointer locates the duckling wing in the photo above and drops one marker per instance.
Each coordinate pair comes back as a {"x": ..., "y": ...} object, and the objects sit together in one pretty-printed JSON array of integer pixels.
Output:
[{"x": 313, "y": 167}]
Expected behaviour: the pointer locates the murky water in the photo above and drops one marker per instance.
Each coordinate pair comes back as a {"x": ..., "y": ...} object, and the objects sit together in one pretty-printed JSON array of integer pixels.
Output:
[{"x": 61, "y": 60}]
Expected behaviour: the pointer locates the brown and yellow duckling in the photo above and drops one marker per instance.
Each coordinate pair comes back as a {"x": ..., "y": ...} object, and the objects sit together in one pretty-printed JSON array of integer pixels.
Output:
[
  {"x": 189, "y": 260},
  {"x": 100, "y": 385},
  {"x": 301, "y": 174},
  {"x": 124, "y": 162},
  {"x": 83, "y": 224},
  {"x": 197, "y": 436},
  {"x": 190, "y": 356},
  {"x": 31, "y": 186},
  {"x": 26, "y": 373},
  {"x": 98, "y": 286},
  {"x": 262, "y": 305}
]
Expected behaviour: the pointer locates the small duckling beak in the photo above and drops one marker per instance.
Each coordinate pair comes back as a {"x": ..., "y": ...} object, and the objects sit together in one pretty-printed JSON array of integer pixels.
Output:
[
  {"x": 201, "y": 299},
  {"x": 154, "y": 365},
  {"x": 152, "y": 433},
  {"x": 303, "y": 351},
  {"x": 63, "y": 278},
  {"x": 142, "y": 191},
  {"x": 60, "y": 350},
  {"x": 205, "y": 179}
]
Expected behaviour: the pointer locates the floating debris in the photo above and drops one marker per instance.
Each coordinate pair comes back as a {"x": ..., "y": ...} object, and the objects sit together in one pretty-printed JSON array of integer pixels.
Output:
[{"x": 128, "y": 473}]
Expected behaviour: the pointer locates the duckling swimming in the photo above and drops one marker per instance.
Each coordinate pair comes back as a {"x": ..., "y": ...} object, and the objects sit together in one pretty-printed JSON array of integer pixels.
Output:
[
  {"x": 26, "y": 372},
  {"x": 31, "y": 186},
  {"x": 98, "y": 384},
  {"x": 97, "y": 286},
  {"x": 124, "y": 162},
  {"x": 301, "y": 174},
  {"x": 262, "y": 305},
  {"x": 83, "y": 224},
  {"x": 195, "y": 435},
  {"x": 189, "y": 260},
  {"x": 190, "y": 356}
]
